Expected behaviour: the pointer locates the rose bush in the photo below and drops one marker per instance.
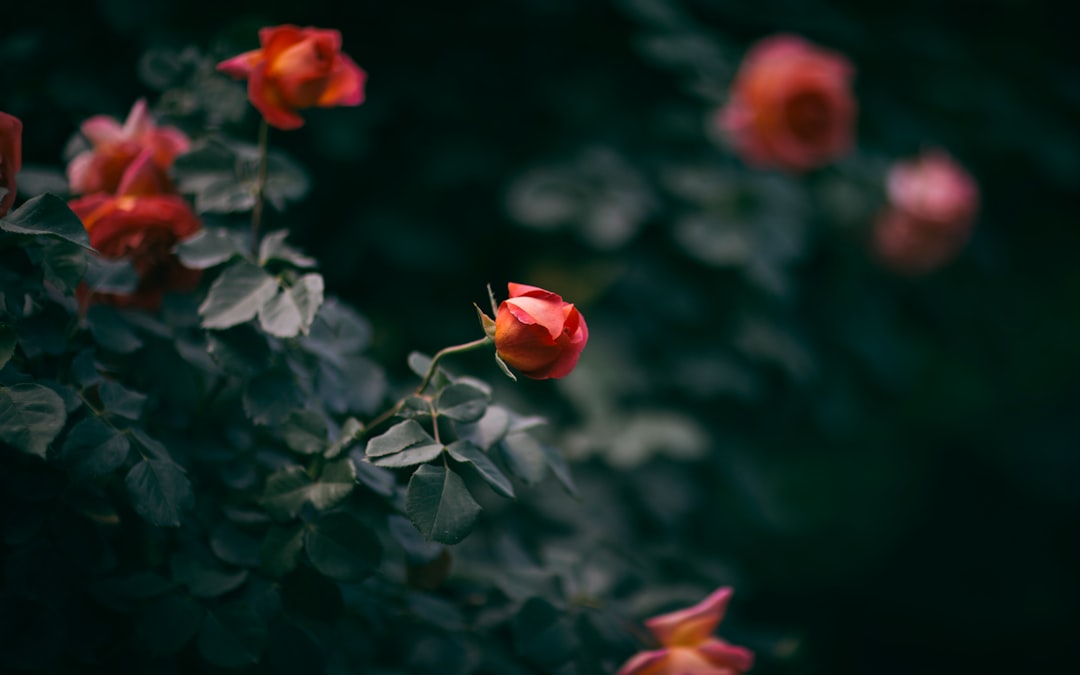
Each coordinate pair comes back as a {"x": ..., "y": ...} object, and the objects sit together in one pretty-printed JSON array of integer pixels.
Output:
[
  {"x": 10, "y": 158},
  {"x": 538, "y": 333},
  {"x": 791, "y": 105},
  {"x": 119, "y": 150},
  {"x": 297, "y": 68}
]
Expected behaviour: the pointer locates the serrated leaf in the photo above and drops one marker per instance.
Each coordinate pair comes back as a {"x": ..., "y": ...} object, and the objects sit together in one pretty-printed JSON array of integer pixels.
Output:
[
  {"x": 159, "y": 491},
  {"x": 337, "y": 481},
  {"x": 417, "y": 550},
  {"x": 281, "y": 549},
  {"x": 119, "y": 400},
  {"x": 304, "y": 432},
  {"x": 209, "y": 247},
  {"x": 439, "y": 505},
  {"x": 94, "y": 448},
  {"x": 489, "y": 429},
  {"x": 351, "y": 430},
  {"x": 111, "y": 330},
  {"x": 285, "y": 493},
  {"x": 151, "y": 446},
  {"x": 343, "y": 548},
  {"x": 168, "y": 624},
  {"x": 47, "y": 215},
  {"x": 465, "y": 452},
  {"x": 237, "y": 295},
  {"x": 31, "y": 416},
  {"x": 418, "y": 454},
  {"x": 232, "y": 636},
  {"x": 524, "y": 457},
  {"x": 290, "y": 312},
  {"x": 398, "y": 437},
  {"x": 273, "y": 247},
  {"x": 462, "y": 402}
]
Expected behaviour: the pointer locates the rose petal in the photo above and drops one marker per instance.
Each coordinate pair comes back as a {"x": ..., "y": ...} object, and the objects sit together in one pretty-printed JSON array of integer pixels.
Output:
[
  {"x": 346, "y": 86},
  {"x": 646, "y": 663},
  {"x": 267, "y": 101},
  {"x": 693, "y": 625}
]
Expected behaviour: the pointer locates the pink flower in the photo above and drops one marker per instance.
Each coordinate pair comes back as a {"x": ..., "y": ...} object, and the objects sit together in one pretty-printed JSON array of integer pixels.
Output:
[
  {"x": 115, "y": 149},
  {"x": 687, "y": 644},
  {"x": 791, "y": 105},
  {"x": 538, "y": 333},
  {"x": 297, "y": 68},
  {"x": 932, "y": 206},
  {"x": 10, "y": 158}
]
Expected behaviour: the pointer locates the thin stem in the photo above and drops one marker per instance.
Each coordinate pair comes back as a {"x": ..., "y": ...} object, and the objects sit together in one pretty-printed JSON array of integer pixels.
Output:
[
  {"x": 260, "y": 184},
  {"x": 447, "y": 351}
]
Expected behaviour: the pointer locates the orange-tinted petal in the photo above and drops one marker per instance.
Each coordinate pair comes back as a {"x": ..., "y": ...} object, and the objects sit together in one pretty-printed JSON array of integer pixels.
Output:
[
  {"x": 240, "y": 67},
  {"x": 646, "y": 663},
  {"x": 267, "y": 100},
  {"x": 724, "y": 655},
  {"x": 693, "y": 625},
  {"x": 346, "y": 85}
]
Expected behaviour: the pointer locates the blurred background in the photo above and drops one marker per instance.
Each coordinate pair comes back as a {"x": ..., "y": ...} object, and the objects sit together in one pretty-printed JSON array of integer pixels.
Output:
[{"x": 884, "y": 467}]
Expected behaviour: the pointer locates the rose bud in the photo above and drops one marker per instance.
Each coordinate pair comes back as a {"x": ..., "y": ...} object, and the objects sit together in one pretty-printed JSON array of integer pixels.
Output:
[
  {"x": 10, "y": 158},
  {"x": 297, "y": 68},
  {"x": 791, "y": 105},
  {"x": 115, "y": 149},
  {"x": 539, "y": 334},
  {"x": 931, "y": 211}
]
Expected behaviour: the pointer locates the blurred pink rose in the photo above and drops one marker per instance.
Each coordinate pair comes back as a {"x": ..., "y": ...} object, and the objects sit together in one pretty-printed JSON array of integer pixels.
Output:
[
  {"x": 931, "y": 211},
  {"x": 115, "y": 147},
  {"x": 10, "y": 158},
  {"x": 687, "y": 644},
  {"x": 297, "y": 68},
  {"x": 791, "y": 105}
]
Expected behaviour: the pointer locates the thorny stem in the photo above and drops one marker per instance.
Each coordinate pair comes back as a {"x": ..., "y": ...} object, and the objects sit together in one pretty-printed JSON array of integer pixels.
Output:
[{"x": 260, "y": 184}]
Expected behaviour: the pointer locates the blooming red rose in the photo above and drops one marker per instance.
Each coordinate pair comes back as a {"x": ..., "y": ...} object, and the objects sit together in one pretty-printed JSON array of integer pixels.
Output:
[
  {"x": 539, "y": 334},
  {"x": 10, "y": 158},
  {"x": 687, "y": 644},
  {"x": 297, "y": 68},
  {"x": 142, "y": 228},
  {"x": 115, "y": 149},
  {"x": 932, "y": 207},
  {"x": 791, "y": 105}
]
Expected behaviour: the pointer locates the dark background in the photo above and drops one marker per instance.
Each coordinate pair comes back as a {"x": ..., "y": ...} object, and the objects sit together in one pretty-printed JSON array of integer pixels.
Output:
[{"x": 909, "y": 502}]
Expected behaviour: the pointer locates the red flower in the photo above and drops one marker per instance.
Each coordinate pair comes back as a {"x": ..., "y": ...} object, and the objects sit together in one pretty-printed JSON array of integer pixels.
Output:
[
  {"x": 10, "y": 158},
  {"x": 297, "y": 68},
  {"x": 115, "y": 149},
  {"x": 539, "y": 334},
  {"x": 688, "y": 647},
  {"x": 142, "y": 228},
  {"x": 791, "y": 105},
  {"x": 932, "y": 207}
]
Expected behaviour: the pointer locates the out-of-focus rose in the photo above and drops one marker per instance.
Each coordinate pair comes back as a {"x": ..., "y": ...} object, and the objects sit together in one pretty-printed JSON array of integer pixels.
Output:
[
  {"x": 931, "y": 211},
  {"x": 791, "y": 105},
  {"x": 142, "y": 228},
  {"x": 115, "y": 148},
  {"x": 10, "y": 158},
  {"x": 539, "y": 334},
  {"x": 297, "y": 68},
  {"x": 687, "y": 644}
]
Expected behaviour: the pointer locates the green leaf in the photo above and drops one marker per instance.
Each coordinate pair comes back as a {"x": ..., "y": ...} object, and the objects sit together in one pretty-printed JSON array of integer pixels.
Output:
[
  {"x": 111, "y": 330},
  {"x": 273, "y": 247},
  {"x": 222, "y": 175},
  {"x": 351, "y": 430},
  {"x": 343, "y": 548},
  {"x": 281, "y": 549},
  {"x": 379, "y": 481},
  {"x": 204, "y": 579},
  {"x": 47, "y": 215},
  {"x": 543, "y": 634},
  {"x": 524, "y": 457},
  {"x": 119, "y": 400},
  {"x": 235, "y": 546},
  {"x": 110, "y": 276},
  {"x": 337, "y": 481},
  {"x": 241, "y": 350},
  {"x": 418, "y": 454},
  {"x": 286, "y": 492},
  {"x": 489, "y": 429},
  {"x": 232, "y": 636},
  {"x": 462, "y": 402},
  {"x": 337, "y": 331},
  {"x": 398, "y": 437},
  {"x": 304, "y": 432},
  {"x": 160, "y": 491},
  {"x": 558, "y": 467},
  {"x": 270, "y": 396},
  {"x": 290, "y": 312},
  {"x": 439, "y": 505},
  {"x": 417, "y": 550},
  {"x": 31, "y": 416},
  {"x": 8, "y": 341},
  {"x": 465, "y": 452},
  {"x": 64, "y": 264},
  {"x": 94, "y": 448},
  {"x": 209, "y": 247},
  {"x": 237, "y": 295},
  {"x": 168, "y": 624}
]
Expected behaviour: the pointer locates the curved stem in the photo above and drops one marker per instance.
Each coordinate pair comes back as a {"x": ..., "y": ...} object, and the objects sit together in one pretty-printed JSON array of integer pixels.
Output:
[
  {"x": 260, "y": 184},
  {"x": 447, "y": 351}
]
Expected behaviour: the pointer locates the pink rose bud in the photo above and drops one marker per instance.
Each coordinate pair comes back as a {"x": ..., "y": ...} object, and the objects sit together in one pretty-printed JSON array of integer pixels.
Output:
[
  {"x": 117, "y": 149},
  {"x": 539, "y": 334},
  {"x": 931, "y": 211},
  {"x": 297, "y": 68},
  {"x": 791, "y": 105},
  {"x": 687, "y": 644},
  {"x": 10, "y": 158}
]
